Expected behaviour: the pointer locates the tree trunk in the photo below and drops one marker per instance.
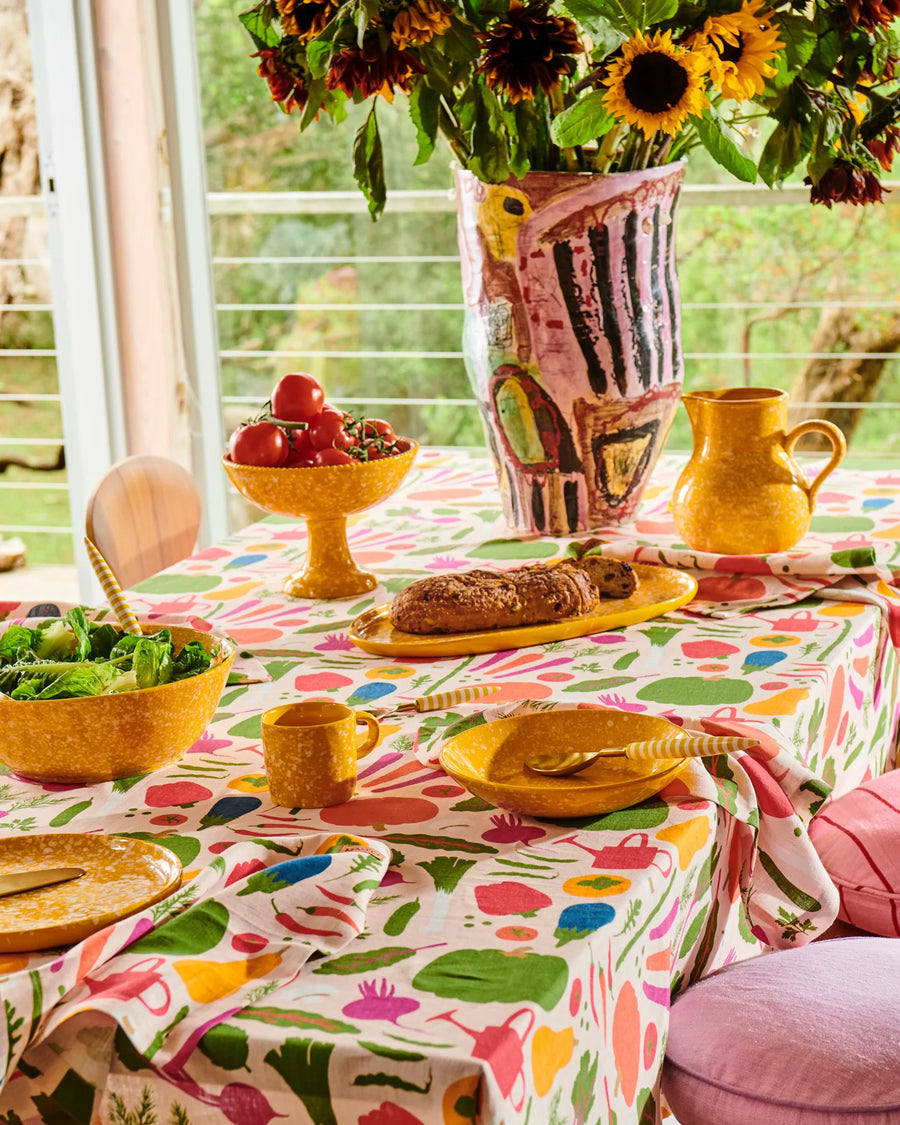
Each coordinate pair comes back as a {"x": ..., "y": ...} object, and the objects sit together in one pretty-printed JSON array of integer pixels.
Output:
[
  {"x": 835, "y": 380},
  {"x": 19, "y": 168}
]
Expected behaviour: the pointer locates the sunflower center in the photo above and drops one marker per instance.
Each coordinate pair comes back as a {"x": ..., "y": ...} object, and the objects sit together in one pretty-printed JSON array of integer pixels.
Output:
[
  {"x": 655, "y": 82},
  {"x": 732, "y": 53}
]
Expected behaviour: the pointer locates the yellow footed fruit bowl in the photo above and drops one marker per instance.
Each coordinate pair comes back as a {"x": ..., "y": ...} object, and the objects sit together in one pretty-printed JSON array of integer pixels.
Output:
[{"x": 324, "y": 496}]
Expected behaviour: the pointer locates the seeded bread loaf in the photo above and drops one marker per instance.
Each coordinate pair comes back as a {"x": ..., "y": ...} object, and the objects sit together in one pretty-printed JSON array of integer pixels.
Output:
[{"x": 484, "y": 599}]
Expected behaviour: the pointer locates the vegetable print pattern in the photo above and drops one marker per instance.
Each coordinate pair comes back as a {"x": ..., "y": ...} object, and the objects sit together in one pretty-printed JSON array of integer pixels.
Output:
[{"x": 415, "y": 957}]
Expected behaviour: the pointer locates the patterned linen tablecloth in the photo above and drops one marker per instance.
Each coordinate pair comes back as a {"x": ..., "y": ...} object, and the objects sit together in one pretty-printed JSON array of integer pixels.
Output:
[{"x": 416, "y": 957}]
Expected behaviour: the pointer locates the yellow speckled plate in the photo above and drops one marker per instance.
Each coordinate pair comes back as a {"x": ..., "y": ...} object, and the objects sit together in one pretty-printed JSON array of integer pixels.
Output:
[
  {"x": 121, "y": 876},
  {"x": 489, "y": 761},
  {"x": 660, "y": 589}
]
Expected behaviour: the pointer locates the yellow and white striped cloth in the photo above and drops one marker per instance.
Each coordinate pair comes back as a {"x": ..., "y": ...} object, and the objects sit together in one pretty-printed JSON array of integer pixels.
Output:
[{"x": 112, "y": 589}]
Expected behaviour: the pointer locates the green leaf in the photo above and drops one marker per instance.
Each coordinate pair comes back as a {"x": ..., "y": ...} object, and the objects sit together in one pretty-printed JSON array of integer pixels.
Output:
[
  {"x": 711, "y": 130},
  {"x": 800, "y": 38},
  {"x": 258, "y": 22},
  {"x": 590, "y": 15},
  {"x": 368, "y": 164},
  {"x": 582, "y": 122},
  {"x": 781, "y": 152},
  {"x": 318, "y": 56},
  {"x": 366, "y": 960},
  {"x": 423, "y": 109}
]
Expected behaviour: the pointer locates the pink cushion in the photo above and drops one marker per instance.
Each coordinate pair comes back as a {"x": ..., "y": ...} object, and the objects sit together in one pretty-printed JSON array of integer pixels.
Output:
[
  {"x": 803, "y": 1036},
  {"x": 858, "y": 839}
]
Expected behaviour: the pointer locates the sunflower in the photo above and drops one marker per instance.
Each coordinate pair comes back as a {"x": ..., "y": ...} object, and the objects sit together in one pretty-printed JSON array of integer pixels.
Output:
[
  {"x": 656, "y": 85},
  {"x": 740, "y": 45},
  {"x": 372, "y": 69},
  {"x": 284, "y": 86},
  {"x": 872, "y": 14},
  {"x": 528, "y": 49},
  {"x": 419, "y": 23},
  {"x": 305, "y": 18},
  {"x": 845, "y": 183},
  {"x": 883, "y": 148}
]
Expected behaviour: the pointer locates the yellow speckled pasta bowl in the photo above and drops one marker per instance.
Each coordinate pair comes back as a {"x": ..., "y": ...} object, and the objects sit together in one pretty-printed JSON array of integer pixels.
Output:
[
  {"x": 104, "y": 737},
  {"x": 489, "y": 760},
  {"x": 120, "y": 877},
  {"x": 324, "y": 497}
]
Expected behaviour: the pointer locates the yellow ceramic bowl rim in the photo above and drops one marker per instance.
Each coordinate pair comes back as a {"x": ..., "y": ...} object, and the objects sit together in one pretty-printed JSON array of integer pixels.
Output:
[
  {"x": 226, "y": 652},
  {"x": 454, "y": 770},
  {"x": 411, "y": 452}
]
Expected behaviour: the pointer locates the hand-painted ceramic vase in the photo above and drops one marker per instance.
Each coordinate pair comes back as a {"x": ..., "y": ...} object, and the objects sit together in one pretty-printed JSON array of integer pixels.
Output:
[
  {"x": 742, "y": 493},
  {"x": 572, "y": 337}
]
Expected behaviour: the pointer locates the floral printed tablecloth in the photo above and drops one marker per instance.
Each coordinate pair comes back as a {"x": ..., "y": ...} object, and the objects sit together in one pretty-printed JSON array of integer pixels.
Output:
[{"x": 415, "y": 957}]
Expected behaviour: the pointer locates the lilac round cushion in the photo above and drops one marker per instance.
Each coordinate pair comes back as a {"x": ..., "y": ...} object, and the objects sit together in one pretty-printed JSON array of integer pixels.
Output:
[
  {"x": 807, "y": 1036},
  {"x": 858, "y": 840}
]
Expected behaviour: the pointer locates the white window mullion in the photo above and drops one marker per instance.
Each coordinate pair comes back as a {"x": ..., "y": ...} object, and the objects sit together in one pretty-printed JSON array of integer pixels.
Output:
[{"x": 187, "y": 153}]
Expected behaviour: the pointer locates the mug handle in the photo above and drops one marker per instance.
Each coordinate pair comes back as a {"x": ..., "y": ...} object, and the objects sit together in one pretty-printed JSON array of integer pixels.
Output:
[
  {"x": 835, "y": 436},
  {"x": 374, "y": 733}
]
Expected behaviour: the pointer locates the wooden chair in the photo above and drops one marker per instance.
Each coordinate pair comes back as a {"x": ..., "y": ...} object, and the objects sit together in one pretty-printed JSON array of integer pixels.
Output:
[{"x": 144, "y": 516}]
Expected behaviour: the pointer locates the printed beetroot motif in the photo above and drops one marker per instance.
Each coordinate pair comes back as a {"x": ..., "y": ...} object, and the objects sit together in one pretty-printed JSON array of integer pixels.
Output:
[
  {"x": 379, "y": 1002},
  {"x": 511, "y": 898},
  {"x": 511, "y": 829}
]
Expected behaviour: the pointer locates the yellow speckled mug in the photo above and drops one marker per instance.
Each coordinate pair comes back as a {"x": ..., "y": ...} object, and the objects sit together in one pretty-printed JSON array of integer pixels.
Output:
[
  {"x": 742, "y": 493},
  {"x": 311, "y": 750}
]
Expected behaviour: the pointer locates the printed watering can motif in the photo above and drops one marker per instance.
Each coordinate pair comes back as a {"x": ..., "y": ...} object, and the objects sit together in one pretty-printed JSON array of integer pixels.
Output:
[
  {"x": 742, "y": 493},
  {"x": 501, "y": 1048},
  {"x": 635, "y": 853}
]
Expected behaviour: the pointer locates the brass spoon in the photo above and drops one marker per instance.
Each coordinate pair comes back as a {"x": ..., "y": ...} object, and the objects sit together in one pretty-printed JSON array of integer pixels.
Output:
[{"x": 691, "y": 746}]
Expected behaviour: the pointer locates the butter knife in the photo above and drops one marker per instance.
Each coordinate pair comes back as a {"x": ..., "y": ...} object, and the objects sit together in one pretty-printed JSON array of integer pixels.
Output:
[{"x": 17, "y": 881}]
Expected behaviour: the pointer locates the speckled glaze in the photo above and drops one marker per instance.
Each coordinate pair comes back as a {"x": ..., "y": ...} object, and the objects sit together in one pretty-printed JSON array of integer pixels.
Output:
[
  {"x": 742, "y": 493},
  {"x": 120, "y": 877},
  {"x": 324, "y": 497},
  {"x": 104, "y": 737},
  {"x": 489, "y": 760},
  {"x": 311, "y": 750}
]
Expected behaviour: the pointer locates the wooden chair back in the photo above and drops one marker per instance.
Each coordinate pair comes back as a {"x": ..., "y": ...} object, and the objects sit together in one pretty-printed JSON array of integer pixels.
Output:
[{"x": 144, "y": 516}]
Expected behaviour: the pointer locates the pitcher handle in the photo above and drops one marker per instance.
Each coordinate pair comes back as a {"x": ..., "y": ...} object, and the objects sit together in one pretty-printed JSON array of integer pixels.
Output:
[{"x": 838, "y": 452}]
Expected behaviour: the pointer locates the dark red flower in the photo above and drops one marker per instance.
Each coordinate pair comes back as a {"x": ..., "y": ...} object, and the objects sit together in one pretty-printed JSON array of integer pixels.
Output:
[
  {"x": 372, "y": 69},
  {"x": 871, "y": 14},
  {"x": 284, "y": 86},
  {"x": 843, "y": 183},
  {"x": 884, "y": 147},
  {"x": 529, "y": 48}
]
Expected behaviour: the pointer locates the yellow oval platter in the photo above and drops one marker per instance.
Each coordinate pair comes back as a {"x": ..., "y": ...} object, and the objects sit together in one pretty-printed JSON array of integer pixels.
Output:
[{"x": 660, "y": 590}]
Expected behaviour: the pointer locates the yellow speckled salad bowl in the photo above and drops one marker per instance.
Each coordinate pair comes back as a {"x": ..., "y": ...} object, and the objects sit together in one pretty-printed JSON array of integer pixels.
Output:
[
  {"x": 104, "y": 737},
  {"x": 324, "y": 496}
]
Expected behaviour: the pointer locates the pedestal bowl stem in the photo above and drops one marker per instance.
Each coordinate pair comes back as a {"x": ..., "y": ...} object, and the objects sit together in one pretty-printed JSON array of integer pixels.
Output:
[{"x": 329, "y": 570}]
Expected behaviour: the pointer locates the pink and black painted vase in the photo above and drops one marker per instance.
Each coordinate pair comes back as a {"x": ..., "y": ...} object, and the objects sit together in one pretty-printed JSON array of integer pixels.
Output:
[{"x": 572, "y": 337}]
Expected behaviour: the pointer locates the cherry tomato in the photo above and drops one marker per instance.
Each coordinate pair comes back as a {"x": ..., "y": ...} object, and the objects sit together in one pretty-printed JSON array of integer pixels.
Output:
[
  {"x": 332, "y": 457},
  {"x": 401, "y": 445},
  {"x": 376, "y": 454},
  {"x": 259, "y": 443},
  {"x": 377, "y": 427},
  {"x": 301, "y": 446},
  {"x": 297, "y": 397},
  {"x": 326, "y": 428}
]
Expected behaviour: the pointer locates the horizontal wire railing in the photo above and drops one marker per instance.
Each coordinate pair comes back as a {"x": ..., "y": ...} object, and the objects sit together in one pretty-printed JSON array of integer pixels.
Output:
[{"x": 236, "y": 204}]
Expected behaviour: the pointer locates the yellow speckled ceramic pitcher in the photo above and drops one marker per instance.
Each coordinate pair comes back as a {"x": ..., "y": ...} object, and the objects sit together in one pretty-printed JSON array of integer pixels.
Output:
[{"x": 742, "y": 493}]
